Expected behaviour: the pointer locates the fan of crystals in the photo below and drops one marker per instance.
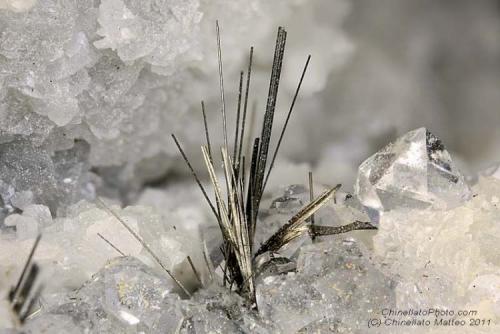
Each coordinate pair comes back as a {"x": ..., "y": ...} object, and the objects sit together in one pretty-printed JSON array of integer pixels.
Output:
[{"x": 415, "y": 172}]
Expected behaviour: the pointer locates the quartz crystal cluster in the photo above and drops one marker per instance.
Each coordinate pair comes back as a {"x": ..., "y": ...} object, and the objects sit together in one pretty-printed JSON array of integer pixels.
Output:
[
  {"x": 120, "y": 75},
  {"x": 68, "y": 72},
  {"x": 448, "y": 259},
  {"x": 34, "y": 176},
  {"x": 423, "y": 256},
  {"x": 72, "y": 249},
  {"x": 89, "y": 91},
  {"x": 334, "y": 288}
]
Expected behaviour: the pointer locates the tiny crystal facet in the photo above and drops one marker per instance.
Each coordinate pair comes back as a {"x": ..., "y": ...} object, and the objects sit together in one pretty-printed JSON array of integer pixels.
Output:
[{"x": 416, "y": 171}]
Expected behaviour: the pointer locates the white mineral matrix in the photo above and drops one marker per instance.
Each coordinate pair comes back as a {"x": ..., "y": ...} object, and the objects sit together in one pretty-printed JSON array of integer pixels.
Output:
[{"x": 102, "y": 230}]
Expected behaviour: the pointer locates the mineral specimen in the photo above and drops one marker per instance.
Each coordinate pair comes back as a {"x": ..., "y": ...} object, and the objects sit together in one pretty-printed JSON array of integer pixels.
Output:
[
  {"x": 448, "y": 258},
  {"x": 87, "y": 92},
  {"x": 119, "y": 75},
  {"x": 124, "y": 296},
  {"x": 335, "y": 283},
  {"x": 34, "y": 175},
  {"x": 71, "y": 250},
  {"x": 415, "y": 172}
]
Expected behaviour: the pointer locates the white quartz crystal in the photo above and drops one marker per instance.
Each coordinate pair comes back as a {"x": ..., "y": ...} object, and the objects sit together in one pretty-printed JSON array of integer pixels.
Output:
[
  {"x": 31, "y": 222},
  {"x": 125, "y": 296},
  {"x": 415, "y": 171},
  {"x": 448, "y": 258},
  {"x": 31, "y": 174},
  {"x": 334, "y": 283},
  {"x": 122, "y": 75},
  {"x": 91, "y": 90},
  {"x": 174, "y": 28},
  {"x": 418, "y": 258},
  {"x": 71, "y": 250}
]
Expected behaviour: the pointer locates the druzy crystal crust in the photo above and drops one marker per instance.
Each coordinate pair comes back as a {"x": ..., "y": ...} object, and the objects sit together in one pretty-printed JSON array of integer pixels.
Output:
[
  {"x": 418, "y": 258},
  {"x": 92, "y": 194}
]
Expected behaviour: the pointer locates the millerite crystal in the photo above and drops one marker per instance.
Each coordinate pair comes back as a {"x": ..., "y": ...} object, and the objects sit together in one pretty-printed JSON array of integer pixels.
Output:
[
  {"x": 120, "y": 74},
  {"x": 99, "y": 233},
  {"x": 418, "y": 258}
]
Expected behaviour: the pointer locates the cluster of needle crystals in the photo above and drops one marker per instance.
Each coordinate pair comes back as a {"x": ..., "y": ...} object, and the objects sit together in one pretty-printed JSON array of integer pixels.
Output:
[
  {"x": 117, "y": 75},
  {"x": 304, "y": 259},
  {"x": 237, "y": 210},
  {"x": 158, "y": 276}
]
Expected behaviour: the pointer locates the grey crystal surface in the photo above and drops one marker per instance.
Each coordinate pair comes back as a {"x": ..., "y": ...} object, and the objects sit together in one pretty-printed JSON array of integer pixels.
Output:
[
  {"x": 332, "y": 285},
  {"x": 127, "y": 296},
  {"x": 33, "y": 174},
  {"x": 124, "y": 296},
  {"x": 335, "y": 286},
  {"x": 90, "y": 90}
]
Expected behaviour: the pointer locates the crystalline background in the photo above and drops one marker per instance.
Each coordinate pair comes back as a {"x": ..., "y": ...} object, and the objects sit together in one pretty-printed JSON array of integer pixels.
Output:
[
  {"x": 91, "y": 90},
  {"x": 122, "y": 76}
]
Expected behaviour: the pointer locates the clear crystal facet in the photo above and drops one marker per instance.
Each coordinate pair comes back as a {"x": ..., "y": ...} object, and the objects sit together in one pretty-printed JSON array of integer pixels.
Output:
[
  {"x": 335, "y": 286},
  {"x": 415, "y": 172}
]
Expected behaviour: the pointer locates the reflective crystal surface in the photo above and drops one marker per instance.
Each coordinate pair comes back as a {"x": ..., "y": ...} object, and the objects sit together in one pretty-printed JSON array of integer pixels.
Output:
[
  {"x": 125, "y": 296},
  {"x": 335, "y": 284},
  {"x": 416, "y": 171},
  {"x": 31, "y": 174},
  {"x": 446, "y": 258},
  {"x": 335, "y": 287}
]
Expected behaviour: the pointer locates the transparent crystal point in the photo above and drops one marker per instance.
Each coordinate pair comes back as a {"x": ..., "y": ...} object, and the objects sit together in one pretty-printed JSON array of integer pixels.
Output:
[{"x": 416, "y": 171}]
